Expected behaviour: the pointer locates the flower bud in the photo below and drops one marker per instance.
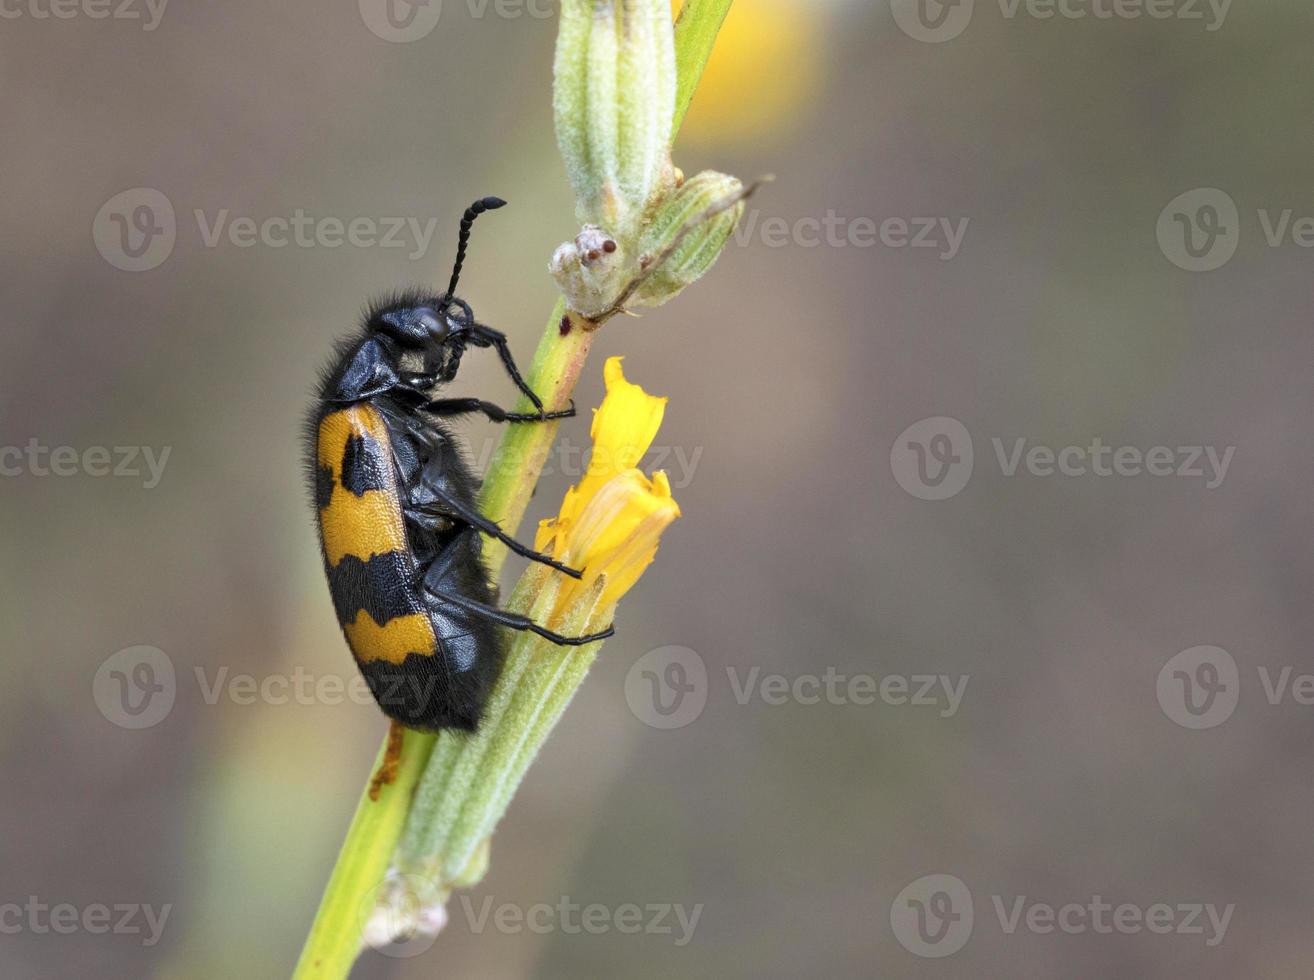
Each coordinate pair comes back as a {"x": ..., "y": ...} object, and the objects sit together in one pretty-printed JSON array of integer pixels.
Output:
[
  {"x": 688, "y": 208},
  {"x": 614, "y": 103}
]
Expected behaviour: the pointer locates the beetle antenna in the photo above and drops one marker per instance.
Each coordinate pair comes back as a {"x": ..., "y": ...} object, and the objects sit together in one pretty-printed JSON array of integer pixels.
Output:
[{"x": 463, "y": 239}]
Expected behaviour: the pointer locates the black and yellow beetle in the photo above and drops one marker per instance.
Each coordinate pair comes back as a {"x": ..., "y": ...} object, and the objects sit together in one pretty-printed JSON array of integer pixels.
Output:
[{"x": 395, "y": 504}]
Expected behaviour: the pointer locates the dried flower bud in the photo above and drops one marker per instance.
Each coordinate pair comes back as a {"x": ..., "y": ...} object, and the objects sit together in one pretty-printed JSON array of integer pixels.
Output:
[{"x": 590, "y": 269}]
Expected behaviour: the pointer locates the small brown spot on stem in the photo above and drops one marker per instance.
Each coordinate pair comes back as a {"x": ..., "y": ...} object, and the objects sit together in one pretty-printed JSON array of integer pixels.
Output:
[
  {"x": 391, "y": 761},
  {"x": 564, "y": 326}
]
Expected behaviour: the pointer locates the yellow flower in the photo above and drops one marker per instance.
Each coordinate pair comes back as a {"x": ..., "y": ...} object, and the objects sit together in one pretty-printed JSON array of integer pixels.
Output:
[{"x": 610, "y": 523}]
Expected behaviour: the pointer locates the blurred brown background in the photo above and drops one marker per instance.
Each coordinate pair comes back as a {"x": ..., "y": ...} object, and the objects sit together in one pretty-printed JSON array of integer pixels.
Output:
[{"x": 793, "y": 369}]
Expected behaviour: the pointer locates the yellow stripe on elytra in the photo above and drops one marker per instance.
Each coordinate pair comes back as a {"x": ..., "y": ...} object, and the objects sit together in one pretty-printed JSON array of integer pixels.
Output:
[
  {"x": 391, "y": 642},
  {"x": 370, "y": 524}
]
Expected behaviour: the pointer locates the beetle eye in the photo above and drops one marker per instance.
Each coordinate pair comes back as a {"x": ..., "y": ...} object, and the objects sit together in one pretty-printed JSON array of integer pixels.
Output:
[
  {"x": 432, "y": 325},
  {"x": 416, "y": 325}
]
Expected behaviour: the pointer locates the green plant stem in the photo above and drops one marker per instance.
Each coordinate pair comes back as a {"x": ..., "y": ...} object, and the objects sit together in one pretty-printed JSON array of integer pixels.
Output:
[
  {"x": 334, "y": 939},
  {"x": 520, "y": 455}
]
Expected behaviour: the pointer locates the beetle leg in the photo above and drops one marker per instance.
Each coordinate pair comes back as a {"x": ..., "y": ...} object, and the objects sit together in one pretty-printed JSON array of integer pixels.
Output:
[
  {"x": 485, "y": 336},
  {"x": 462, "y": 406},
  {"x": 515, "y": 621},
  {"x": 445, "y": 503},
  {"x": 432, "y": 519}
]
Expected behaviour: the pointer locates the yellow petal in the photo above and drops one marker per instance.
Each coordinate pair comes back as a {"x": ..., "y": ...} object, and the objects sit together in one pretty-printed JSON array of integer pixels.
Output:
[
  {"x": 624, "y": 426},
  {"x": 613, "y": 515},
  {"x": 628, "y": 562},
  {"x": 617, "y": 532},
  {"x": 610, "y": 523}
]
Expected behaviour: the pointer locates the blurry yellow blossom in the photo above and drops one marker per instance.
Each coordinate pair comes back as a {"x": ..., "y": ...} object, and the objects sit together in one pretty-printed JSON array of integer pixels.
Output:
[{"x": 765, "y": 69}]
